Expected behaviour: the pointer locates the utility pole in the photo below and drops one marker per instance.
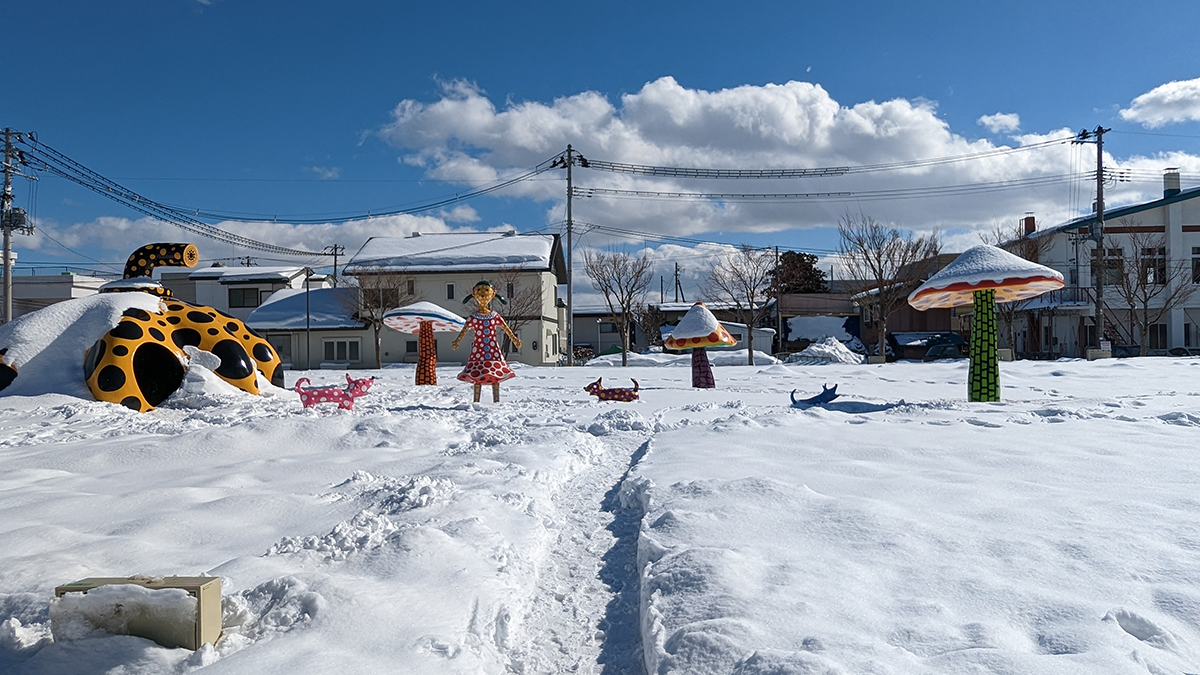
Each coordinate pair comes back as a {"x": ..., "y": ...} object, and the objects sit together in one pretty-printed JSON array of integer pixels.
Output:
[
  {"x": 570, "y": 251},
  {"x": 678, "y": 286},
  {"x": 1097, "y": 230},
  {"x": 778, "y": 304},
  {"x": 10, "y": 219},
  {"x": 5, "y": 211},
  {"x": 334, "y": 251}
]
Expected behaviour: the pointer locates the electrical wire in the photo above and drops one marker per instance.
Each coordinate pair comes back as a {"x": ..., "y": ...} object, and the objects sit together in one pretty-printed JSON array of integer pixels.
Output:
[
  {"x": 868, "y": 195},
  {"x": 684, "y": 172}
]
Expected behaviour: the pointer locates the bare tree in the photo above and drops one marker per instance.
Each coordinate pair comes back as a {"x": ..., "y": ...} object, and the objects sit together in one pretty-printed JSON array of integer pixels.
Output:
[
  {"x": 378, "y": 291},
  {"x": 1149, "y": 286},
  {"x": 651, "y": 319},
  {"x": 744, "y": 278},
  {"x": 1016, "y": 240},
  {"x": 524, "y": 300},
  {"x": 884, "y": 262},
  {"x": 623, "y": 280}
]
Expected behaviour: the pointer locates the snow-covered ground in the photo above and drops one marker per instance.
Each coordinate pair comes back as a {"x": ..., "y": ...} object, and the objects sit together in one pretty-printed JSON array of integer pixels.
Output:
[{"x": 898, "y": 529}]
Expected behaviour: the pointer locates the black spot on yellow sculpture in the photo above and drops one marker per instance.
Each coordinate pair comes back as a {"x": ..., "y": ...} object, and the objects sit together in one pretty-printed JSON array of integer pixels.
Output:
[{"x": 140, "y": 362}]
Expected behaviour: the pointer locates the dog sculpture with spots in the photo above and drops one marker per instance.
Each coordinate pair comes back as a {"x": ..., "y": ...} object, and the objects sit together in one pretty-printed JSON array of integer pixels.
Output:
[
  {"x": 617, "y": 394},
  {"x": 343, "y": 396}
]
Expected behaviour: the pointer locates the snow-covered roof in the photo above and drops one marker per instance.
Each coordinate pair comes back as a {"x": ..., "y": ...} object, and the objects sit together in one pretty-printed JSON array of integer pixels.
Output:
[
  {"x": 457, "y": 251},
  {"x": 327, "y": 308},
  {"x": 245, "y": 275}
]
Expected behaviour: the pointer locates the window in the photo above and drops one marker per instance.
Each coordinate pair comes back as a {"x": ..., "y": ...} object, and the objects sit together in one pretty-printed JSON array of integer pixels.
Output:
[
  {"x": 263, "y": 295},
  {"x": 243, "y": 297},
  {"x": 508, "y": 289},
  {"x": 282, "y": 344},
  {"x": 1114, "y": 264},
  {"x": 449, "y": 291},
  {"x": 342, "y": 351},
  {"x": 1154, "y": 265},
  {"x": 1196, "y": 264},
  {"x": 410, "y": 346},
  {"x": 608, "y": 328},
  {"x": 412, "y": 286},
  {"x": 1187, "y": 335},
  {"x": 1158, "y": 336}
]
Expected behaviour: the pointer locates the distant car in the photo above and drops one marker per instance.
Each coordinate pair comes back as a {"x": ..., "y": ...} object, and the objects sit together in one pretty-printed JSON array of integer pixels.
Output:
[
  {"x": 1183, "y": 351},
  {"x": 1126, "y": 351},
  {"x": 938, "y": 352}
]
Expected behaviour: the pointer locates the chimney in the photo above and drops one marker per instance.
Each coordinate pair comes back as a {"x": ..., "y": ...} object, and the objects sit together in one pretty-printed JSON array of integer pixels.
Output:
[
  {"x": 1171, "y": 182},
  {"x": 1030, "y": 225}
]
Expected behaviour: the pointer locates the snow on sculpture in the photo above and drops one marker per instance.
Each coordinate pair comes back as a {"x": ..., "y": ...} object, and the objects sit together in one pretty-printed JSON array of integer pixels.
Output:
[
  {"x": 424, "y": 318},
  {"x": 697, "y": 330},
  {"x": 141, "y": 358},
  {"x": 984, "y": 275},
  {"x": 486, "y": 364}
]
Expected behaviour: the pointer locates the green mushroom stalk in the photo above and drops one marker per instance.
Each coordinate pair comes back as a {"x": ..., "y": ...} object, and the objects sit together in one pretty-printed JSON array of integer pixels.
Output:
[{"x": 983, "y": 380}]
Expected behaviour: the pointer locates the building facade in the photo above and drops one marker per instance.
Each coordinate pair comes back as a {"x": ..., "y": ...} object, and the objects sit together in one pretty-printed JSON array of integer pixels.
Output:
[{"x": 1150, "y": 261}]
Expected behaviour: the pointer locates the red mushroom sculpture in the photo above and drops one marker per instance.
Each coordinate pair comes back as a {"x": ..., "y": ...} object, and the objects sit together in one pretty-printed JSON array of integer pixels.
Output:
[
  {"x": 984, "y": 275},
  {"x": 424, "y": 319},
  {"x": 697, "y": 330}
]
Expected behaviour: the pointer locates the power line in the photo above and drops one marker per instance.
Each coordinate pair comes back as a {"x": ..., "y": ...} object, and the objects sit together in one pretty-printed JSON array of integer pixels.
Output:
[
  {"x": 685, "y": 172},
  {"x": 866, "y": 195}
]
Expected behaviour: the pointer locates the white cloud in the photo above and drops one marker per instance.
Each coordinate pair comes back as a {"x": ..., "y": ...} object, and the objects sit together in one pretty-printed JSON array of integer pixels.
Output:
[
  {"x": 326, "y": 172},
  {"x": 1172, "y": 102},
  {"x": 1000, "y": 122},
  {"x": 108, "y": 239},
  {"x": 464, "y": 136}
]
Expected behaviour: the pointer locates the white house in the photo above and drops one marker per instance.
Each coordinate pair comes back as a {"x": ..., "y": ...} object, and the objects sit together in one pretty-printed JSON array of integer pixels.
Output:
[
  {"x": 35, "y": 291},
  {"x": 237, "y": 291},
  {"x": 1062, "y": 323},
  {"x": 442, "y": 268},
  {"x": 315, "y": 328}
]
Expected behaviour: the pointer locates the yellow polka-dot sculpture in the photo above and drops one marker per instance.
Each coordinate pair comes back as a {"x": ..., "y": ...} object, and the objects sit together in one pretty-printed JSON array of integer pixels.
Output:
[{"x": 142, "y": 360}]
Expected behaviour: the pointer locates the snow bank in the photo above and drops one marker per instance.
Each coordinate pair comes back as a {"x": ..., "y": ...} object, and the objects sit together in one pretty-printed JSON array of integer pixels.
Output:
[
  {"x": 716, "y": 357},
  {"x": 829, "y": 350}
]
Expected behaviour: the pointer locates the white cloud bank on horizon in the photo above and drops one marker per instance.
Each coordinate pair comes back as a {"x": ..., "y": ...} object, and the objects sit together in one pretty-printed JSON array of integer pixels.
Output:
[
  {"x": 464, "y": 136},
  {"x": 1169, "y": 103},
  {"x": 1000, "y": 122}
]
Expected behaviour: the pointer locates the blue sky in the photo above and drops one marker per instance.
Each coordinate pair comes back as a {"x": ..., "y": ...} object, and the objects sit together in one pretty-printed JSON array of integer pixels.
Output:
[{"x": 348, "y": 108}]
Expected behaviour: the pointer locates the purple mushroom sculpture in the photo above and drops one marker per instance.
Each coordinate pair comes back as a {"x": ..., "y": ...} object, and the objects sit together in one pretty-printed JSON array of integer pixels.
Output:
[{"x": 697, "y": 330}]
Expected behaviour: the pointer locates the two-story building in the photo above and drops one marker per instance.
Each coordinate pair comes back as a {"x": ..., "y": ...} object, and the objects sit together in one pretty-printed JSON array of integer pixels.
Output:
[
  {"x": 442, "y": 268},
  {"x": 1166, "y": 235}
]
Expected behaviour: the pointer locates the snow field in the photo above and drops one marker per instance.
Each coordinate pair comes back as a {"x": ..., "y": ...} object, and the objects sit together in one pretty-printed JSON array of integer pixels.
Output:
[{"x": 898, "y": 529}]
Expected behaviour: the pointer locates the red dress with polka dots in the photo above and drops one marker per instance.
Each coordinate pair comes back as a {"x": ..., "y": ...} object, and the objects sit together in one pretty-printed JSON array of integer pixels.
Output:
[{"x": 486, "y": 364}]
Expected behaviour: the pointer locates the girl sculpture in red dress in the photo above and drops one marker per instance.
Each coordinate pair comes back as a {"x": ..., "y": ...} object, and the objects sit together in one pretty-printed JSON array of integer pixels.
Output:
[{"x": 486, "y": 364}]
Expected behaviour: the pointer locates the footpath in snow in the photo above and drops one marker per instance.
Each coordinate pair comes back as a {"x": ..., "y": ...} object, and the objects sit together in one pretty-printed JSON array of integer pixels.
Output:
[{"x": 898, "y": 529}]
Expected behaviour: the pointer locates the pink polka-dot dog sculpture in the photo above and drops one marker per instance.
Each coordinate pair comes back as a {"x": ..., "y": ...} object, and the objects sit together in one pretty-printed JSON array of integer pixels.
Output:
[{"x": 343, "y": 396}]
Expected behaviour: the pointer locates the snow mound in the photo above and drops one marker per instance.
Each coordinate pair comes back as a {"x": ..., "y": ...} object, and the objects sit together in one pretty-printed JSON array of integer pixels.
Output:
[
  {"x": 390, "y": 495},
  {"x": 111, "y": 609},
  {"x": 617, "y": 420},
  {"x": 829, "y": 350},
  {"x": 47, "y": 346},
  {"x": 273, "y": 607},
  {"x": 366, "y": 531}
]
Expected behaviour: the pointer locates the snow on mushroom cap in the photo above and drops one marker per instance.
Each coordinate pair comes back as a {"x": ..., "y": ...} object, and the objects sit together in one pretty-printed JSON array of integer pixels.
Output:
[
  {"x": 408, "y": 319},
  {"x": 699, "y": 328},
  {"x": 981, "y": 268}
]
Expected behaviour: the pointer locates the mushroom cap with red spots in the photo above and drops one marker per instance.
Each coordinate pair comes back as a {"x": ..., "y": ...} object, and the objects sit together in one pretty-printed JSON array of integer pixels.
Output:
[
  {"x": 982, "y": 268},
  {"x": 699, "y": 328},
  {"x": 408, "y": 319}
]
